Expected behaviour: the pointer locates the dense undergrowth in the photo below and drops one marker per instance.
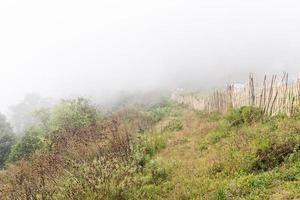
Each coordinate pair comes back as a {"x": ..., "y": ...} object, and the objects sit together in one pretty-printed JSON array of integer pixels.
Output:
[{"x": 75, "y": 154}]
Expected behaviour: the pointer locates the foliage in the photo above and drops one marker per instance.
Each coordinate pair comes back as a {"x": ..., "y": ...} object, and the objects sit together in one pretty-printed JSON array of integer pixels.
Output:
[
  {"x": 244, "y": 115},
  {"x": 273, "y": 156},
  {"x": 5, "y": 127},
  {"x": 174, "y": 125},
  {"x": 251, "y": 157},
  {"x": 214, "y": 137},
  {"x": 21, "y": 113},
  {"x": 43, "y": 117},
  {"x": 157, "y": 113},
  {"x": 73, "y": 115},
  {"x": 106, "y": 159},
  {"x": 27, "y": 145},
  {"x": 7, "y": 140},
  {"x": 6, "y": 143},
  {"x": 147, "y": 146}
]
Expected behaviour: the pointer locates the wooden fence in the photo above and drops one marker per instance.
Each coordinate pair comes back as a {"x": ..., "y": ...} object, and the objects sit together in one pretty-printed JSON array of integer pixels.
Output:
[{"x": 274, "y": 95}]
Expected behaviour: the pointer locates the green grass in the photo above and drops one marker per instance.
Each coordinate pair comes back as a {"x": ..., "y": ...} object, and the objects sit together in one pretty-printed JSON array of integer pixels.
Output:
[{"x": 244, "y": 156}]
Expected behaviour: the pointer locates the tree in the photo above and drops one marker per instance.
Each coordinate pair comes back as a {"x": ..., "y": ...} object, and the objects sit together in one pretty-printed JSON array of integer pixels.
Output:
[
  {"x": 27, "y": 145},
  {"x": 72, "y": 115},
  {"x": 7, "y": 140},
  {"x": 42, "y": 117},
  {"x": 69, "y": 116},
  {"x": 22, "y": 114},
  {"x": 5, "y": 126}
]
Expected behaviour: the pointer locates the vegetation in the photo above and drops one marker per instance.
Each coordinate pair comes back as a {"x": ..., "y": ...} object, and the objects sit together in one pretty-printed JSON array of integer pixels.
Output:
[
  {"x": 28, "y": 144},
  {"x": 7, "y": 140},
  {"x": 165, "y": 151},
  {"x": 244, "y": 115},
  {"x": 22, "y": 116},
  {"x": 73, "y": 115},
  {"x": 74, "y": 152}
]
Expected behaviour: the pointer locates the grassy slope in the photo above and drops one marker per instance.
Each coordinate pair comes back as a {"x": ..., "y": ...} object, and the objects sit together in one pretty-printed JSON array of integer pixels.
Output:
[
  {"x": 184, "y": 155},
  {"x": 212, "y": 161}
]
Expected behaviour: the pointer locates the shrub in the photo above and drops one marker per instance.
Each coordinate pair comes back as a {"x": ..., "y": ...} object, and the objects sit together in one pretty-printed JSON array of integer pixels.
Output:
[
  {"x": 158, "y": 172},
  {"x": 174, "y": 125},
  {"x": 73, "y": 115},
  {"x": 7, "y": 139},
  {"x": 158, "y": 113},
  {"x": 217, "y": 135},
  {"x": 27, "y": 145},
  {"x": 272, "y": 156},
  {"x": 154, "y": 182},
  {"x": 148, "y": 146},
  {"x": 244, "y": 115},
  {"x": 6, "y": 143}
]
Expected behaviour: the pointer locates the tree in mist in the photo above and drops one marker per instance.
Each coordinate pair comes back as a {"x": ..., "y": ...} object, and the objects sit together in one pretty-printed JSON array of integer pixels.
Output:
[
  {"x": 28, "y": 144},
  {"x": 7, "y": 139},
  {"x": 22, "y": 114},
  {"x": 72, "y": 115},
  {"x": 67, "y": 116},
  {"x": 43, "y": 119}
]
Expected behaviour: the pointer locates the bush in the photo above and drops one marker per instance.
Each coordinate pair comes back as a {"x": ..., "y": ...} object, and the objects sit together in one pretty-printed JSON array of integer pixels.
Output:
[
  {"x": 27, "y": 145},
  {"x": 7, "y": 139},
  {"x": 73, "y": 115},
  {"x": 158, "y": 172},
  {"x": 148, "y": 146},
  {"x": 154, "y": 182},
  {"x": 158, "y": 113},
  {"x": 244, "y": 115},
  {"x": 273, "y": 156},
  {"x": 174, "y": 125},
  {"x": 6, "y": 143},
  {"x": 217, "y": 135}
]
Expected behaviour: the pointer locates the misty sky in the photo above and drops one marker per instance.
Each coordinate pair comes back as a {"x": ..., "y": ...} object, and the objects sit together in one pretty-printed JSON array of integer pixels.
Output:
[{"x": 65, "y": 47}]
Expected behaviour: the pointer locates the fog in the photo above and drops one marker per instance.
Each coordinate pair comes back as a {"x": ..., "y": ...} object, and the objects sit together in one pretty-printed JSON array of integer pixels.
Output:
[{"x": 99, "y": 48}]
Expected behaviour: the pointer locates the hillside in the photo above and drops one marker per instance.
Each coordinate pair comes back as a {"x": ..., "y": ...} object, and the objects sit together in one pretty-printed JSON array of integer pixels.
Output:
[
  {"x": 165, "y": 151},
  {"x": 240, "y": 155}
]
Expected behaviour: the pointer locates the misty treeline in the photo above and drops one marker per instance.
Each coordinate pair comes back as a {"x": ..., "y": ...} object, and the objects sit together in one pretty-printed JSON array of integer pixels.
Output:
[
  {"x": 22, "y": 115},
  {"x": 73, "y": 150},
  {"x": 32, "y": 121}
]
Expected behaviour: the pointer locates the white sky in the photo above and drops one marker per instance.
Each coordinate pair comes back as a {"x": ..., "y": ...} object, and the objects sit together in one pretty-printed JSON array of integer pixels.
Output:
[{"x": 63, "y": 47}]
